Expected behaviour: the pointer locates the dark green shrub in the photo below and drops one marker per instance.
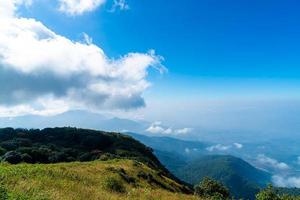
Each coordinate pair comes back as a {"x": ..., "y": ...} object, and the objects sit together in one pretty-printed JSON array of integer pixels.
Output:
[
  {"x": 122, "y": 173},
  {"x": 209, "y": 188},
  {"x": 41, "y": 154},
  {"x": 24, "y": 142},
  {"x": 114, "y": 185},
  {"x": 85, "y": 157},
  {"x": 107, "y": 156},
  {"x": 12, "y": 157},
  {"x": 9, "y": 145},
  {"x": 127, "y": 178},
  {"x": 143, "y": 175},
  {"x": 57, "y": 157},
  {"x": 70, "y": 159},
  {"x": 269, "y": 193},
  {"x": 3, "y": 193},
  {"x": 26, "y": 158},
  {"x": 2, "y": 151}
]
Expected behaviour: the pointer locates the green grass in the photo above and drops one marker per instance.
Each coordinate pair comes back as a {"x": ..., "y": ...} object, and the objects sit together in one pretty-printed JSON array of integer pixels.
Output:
[{"x": 99, "y": 180}]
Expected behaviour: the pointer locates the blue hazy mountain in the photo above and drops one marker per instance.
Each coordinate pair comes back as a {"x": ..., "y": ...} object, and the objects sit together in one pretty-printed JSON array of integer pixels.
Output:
[
  {"x": 186, "y": 149},
  {"x": 180, "y": 157},
  {"x": 77, "y": 118},
  {"x": 242, "y": 179}
]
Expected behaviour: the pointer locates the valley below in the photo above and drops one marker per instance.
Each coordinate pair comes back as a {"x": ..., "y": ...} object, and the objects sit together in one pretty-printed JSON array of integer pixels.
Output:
[{"x": 70, "y": 163}]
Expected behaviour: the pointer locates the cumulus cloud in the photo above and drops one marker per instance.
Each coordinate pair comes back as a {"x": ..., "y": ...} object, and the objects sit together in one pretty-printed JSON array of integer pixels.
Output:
[
  {"x": 39, "y": 68},
  {"x": 188, "y": 150},
  {"x": 79, "y": 7},
  {"x": 49, "y": 106},
  {"x": 238, "y": 145},
  {"x": 155, "y": 129},
  {"x": 119, "y": 4},
  {"x": 158, "y": 128},
  {"x": 168, "y": 131},
  {"x": 271, "y": 163},
  {"x": 221, "y": 147},
  {"x": 8, "y": 7},
  {"x": 183, "y": 131},
  {"x": 218, "y": 147},
  {"x": 282, "y": 181}
]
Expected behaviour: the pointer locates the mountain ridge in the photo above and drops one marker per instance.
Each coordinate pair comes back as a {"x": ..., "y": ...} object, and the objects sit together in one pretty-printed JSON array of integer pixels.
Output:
[
  {"x": 242, "y": 179},
  {"x": 53, "y": 145}
]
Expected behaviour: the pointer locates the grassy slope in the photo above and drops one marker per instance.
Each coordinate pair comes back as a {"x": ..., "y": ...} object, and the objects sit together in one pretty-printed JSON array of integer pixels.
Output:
[{"x": 88, "y": 181}]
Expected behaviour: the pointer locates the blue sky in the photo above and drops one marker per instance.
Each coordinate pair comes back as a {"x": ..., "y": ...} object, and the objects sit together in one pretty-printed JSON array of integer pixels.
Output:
[
  {"x": 214, "y": 51},
  {"x": 206, "y": 44}
]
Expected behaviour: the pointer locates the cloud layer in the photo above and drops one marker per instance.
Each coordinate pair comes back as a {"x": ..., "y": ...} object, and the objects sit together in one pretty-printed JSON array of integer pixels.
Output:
[
  {"x": 78, "y": 7},
  {"x": 282, "y": 181},
  {"x": 39, "y": 68},
  {"x": 271, "y": 163}
]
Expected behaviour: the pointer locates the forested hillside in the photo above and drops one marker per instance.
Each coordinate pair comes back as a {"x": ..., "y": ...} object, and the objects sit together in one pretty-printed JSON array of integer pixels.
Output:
[
  {"x": 242, "y": 179},
  {"x": 53, "y": 145}
]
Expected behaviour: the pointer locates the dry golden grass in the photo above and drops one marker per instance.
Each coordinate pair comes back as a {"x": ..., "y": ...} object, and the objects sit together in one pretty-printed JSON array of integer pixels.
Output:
[{"x": 97, "y": 180}]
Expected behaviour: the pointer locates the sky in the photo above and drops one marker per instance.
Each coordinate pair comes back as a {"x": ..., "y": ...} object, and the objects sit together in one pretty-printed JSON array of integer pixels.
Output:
[{"x": 196, "y": 63}]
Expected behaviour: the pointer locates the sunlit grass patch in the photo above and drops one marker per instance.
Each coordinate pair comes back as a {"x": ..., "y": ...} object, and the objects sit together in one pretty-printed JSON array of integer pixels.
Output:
[{"x": 106, "y": 180}]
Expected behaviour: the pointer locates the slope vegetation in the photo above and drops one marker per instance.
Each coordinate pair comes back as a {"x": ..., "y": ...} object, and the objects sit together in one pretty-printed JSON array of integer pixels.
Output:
[
  {"x": 106, "y": 180},
  {"x": 242, "y": 179}
]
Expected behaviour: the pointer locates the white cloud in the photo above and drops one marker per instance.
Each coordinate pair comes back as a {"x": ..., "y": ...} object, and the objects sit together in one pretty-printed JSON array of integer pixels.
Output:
[
  {"x": 8, "y": 7},
  {"x": 49, "y": 106},
  {"x": 168, "y": 131},
  {"x": 155, "y": 129},
  {"x": 183, "y": 131},
  {"x": 238, "y": 145},
  {"x": 119, "y": 4},
  {"x": 271, "y": 163},
  {"x": 281, "y": 181},
  {"x": 87, "y": 39},
  {"x": 158, "y": 128},
  {"x": 187, "y": 150},
  {"x": 219, "y": 147},
  {"x": 38, "y": 65},
  {"x": 79, "y": 7}
]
